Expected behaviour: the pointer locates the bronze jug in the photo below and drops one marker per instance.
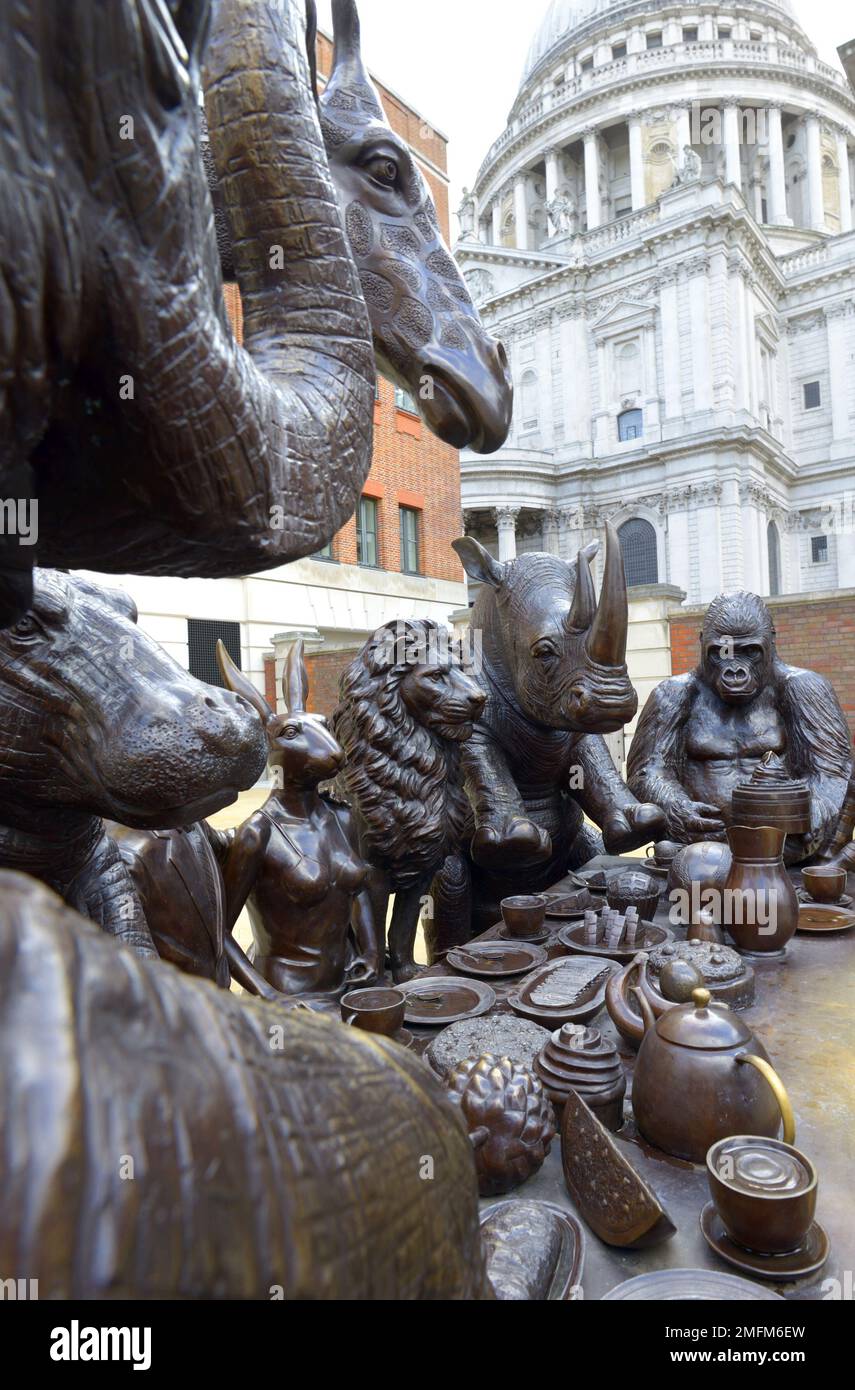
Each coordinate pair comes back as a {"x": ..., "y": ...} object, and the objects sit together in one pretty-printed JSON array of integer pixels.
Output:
[
  {"x": 761, "y": 909},
  {"x": 701, "y": 1076}
]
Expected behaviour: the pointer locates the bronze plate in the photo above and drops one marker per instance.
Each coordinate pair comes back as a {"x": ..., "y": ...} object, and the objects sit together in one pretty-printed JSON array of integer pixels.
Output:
[
  {"x": 688, "y": 1284},
  {"x": 796, "y": 1264},
  {"x": 436, "y": 1000},
  {"x": 495, "y": 958},
  {"x": 824, "y": 917},
  {"x": 570, "y": 989},
  {"x": 565, "y": 1284},
  {"x": 649, "y": 937},
  {"x": 564, "y": 905}
]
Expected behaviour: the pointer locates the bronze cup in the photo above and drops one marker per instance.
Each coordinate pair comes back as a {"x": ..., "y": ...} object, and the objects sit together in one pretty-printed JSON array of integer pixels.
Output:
[
  {"x": 523, "y": 915},
  {"x": 825, "y": 883},
  {"x": 764, "y": 1191},
  {"x": 374, "y": 1010}
]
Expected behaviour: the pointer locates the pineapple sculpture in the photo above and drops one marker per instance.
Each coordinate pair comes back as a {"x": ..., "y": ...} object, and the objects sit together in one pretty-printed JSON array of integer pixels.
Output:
[{"x": 509, "y": 1116}]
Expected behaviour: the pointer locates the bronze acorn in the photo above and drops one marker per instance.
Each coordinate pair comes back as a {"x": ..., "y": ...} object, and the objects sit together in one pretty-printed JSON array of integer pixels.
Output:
[{"x": 509, "y": 1117}]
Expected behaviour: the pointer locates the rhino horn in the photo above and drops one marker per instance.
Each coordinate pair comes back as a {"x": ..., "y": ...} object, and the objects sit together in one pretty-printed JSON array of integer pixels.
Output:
[
  {"x": 606, "y": 641},
  {"x": 584, "y": 599}
]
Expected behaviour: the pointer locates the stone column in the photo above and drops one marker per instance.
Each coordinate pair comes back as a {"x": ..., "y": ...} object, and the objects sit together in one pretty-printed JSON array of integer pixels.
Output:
[
  {"x": 776, "y": 193},
  {"x": 670, "y": 327},
  {"x": 551, "y": 523},
  {"x": 592, "y": 178},
  {"x": 813, "y": 150},
  {"x": 683, "y": 129},
  {"x": 730, "y": 134},
  {"x": 700, "y": 324},
  {"x": 732, "y": 551},
  {"x": 843, "y": 180},
  {"x": 497, "y": 220},
  {"x": 570, "y": 529},
  {"x": 636, "y": 161},
  {"x": 838, "y": 328},
  {"x": 753, "y": 519},
  {"x": 521, "y": 232},
  {"x": 553, "y": 173},
  {"x": 506, "y": 525}
]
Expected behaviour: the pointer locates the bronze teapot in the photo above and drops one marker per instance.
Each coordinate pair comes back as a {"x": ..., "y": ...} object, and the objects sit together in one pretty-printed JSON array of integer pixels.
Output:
[{"x": 701, "y": 1076}]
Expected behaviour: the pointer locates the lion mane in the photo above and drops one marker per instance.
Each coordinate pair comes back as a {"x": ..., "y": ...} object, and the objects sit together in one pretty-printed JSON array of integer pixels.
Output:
[{"x": 400, "y": 777}]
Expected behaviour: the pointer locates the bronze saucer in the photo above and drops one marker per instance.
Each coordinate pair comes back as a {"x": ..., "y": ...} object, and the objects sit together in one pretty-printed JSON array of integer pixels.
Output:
[
  {"x": 824, "y": 917},
  {"x": 665, "y": 1285},
  {"x": 810, "y": 1256},
  {"x": 495, "y": 959},
  {"x": 435, "y": 1000},
  {"x": 538, "y": 939}
]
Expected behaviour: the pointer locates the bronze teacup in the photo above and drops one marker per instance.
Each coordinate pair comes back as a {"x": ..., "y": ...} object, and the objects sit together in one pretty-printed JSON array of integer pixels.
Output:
[
  {"x": 764, "y": 1191},
  {"x": 825, "y": 883},
  {"x": 374, "y": 1010},
  {"x": 523, "y": 914}
]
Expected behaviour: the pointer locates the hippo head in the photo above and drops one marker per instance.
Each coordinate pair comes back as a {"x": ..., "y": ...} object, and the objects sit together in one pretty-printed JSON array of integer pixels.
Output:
[
  {"x": 95, "y": 715},
  {"x": 561, "y": 655}
]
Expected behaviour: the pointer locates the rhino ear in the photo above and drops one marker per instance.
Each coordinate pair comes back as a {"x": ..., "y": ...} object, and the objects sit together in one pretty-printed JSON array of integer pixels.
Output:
[{"x": 479, "y": 563}]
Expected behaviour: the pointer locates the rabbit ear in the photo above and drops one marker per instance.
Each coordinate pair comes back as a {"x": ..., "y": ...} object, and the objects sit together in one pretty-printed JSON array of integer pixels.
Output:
[
  {"x": 240, "y": 684},
  {"x": 295, "y": 679}
]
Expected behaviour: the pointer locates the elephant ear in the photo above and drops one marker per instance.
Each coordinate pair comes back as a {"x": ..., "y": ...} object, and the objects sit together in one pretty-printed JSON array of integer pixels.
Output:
[
  {"x": 479, "y": 563},
  {"x": 295, "y": 679},
  {"x": 240, "y": 684}
]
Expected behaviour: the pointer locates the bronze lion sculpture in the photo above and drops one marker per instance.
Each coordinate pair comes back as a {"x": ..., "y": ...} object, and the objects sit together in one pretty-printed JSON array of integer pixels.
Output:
[{"x": 406, "y": 705}]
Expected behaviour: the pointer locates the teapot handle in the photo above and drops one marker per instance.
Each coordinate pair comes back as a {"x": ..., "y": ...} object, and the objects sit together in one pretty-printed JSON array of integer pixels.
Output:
[{"x": 777, "y": 1085}]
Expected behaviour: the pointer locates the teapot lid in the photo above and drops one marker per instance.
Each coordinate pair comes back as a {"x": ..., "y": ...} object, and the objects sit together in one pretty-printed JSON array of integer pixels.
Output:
[{"x": 703, "y": 1025}]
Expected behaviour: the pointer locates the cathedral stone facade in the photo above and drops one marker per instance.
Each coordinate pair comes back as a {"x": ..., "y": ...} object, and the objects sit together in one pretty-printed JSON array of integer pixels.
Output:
[{"x": 662, "y": 238}]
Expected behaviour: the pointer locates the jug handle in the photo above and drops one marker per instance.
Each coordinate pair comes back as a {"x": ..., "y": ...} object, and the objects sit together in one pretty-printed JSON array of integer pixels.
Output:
[{"x": 779, "y": 1092}]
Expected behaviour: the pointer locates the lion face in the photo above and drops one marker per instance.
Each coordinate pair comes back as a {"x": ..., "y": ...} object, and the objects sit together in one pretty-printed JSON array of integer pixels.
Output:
[{"x": 442, "y": 698}]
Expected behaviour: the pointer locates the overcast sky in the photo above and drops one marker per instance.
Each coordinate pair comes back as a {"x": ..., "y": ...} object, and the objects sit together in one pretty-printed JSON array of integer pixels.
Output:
[{"x": 459, "y": 62}]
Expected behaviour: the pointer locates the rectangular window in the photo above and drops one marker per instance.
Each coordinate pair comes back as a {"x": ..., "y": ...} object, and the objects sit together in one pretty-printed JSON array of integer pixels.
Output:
[
  {"x": 404, "y": 401},
  {"x": 654, "y": 40},
  {"x": 586, "y": 64},
  {"x": 367, "y": 549},
  {"x": 410, "y": 560},
  {"x": 819, "y": 550},
  {"x": 812, "y": 395},
  {"x": 724, "y": 31},
  {"x": 690, "y": 35},
  {"x": 618, "y": 50},
  {"x": 202, "y": 637},
  {"x": 325, "y": 553}
]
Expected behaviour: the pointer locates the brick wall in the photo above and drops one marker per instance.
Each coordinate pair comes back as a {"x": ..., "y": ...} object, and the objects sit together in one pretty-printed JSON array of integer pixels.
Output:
[
  {"x": 813, "y": 632},
  {"x": 324, "y": 670}
]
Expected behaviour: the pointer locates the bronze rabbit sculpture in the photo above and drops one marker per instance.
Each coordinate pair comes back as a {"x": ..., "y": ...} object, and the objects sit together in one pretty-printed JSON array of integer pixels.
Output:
[{"x": 294, "y": 862}]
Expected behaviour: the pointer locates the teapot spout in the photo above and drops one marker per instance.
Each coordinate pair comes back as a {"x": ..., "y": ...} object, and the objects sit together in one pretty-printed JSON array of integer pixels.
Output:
[
  {"x": 628, "y": 1023},
  {"x": 647, "y": 1015}
]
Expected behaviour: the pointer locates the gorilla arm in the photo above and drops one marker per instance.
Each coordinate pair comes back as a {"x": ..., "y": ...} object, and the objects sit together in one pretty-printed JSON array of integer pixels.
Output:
[
  {"x": 818, "y": 749},
  {"x": 654, "y": 766},
  {"x": 606, "y": 799}
]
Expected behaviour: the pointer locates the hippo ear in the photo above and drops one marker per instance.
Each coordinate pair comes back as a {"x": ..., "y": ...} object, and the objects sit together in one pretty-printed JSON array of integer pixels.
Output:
[
  {"x": 479, "y": 563},
  {"x": 295, "y": 679},
  {"x": 240, "y": 684}
]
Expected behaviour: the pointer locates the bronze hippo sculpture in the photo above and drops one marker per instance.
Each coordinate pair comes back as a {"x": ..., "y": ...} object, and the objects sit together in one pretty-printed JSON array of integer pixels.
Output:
[
  {"x": 96, "y": 720},
  {"x": 149, "y": 440},
  {"x": 553, "y": 670},
  {"x": 703, "y": 732}
]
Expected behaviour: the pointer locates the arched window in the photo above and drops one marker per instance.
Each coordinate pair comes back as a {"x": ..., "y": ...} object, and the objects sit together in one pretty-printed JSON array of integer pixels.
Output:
[
  {"x": 638, "y": 547},
  {"x": 528, "y": 401},
  {"x": 774, "y": 543},
  {"x": 630, "y": 424}
]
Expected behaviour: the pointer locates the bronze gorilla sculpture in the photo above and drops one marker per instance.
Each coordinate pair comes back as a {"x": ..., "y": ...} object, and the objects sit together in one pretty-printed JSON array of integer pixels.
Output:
[{"x": 703, "y": 732}]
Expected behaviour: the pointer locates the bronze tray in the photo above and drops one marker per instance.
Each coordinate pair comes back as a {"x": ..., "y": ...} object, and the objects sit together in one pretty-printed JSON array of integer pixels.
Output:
[
  {"x": 565, "y": 1285},
  {"x": 581, "y": 979},
  {"x": 817, "y": 918},
  {"x": 689, "y": 1284},
  {"x": 495, "y": 959},
  {"x": 435, "y": 1000},
  {"x": 647, "y": 939}
]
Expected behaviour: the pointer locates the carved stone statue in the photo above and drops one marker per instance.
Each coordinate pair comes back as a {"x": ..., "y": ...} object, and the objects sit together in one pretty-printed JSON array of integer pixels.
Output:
[
  {"x": 96, "y": 720},
  {"x": 560, "y": 209},
  {"x": 466, "y": 215},
  {"x": 703, "y": 732},
  {"x": 690, "y": 167},
  {"x": 406, "y": 707},
  {"x": 554, "y": 674},
  {"x": 294, "y": 862}
]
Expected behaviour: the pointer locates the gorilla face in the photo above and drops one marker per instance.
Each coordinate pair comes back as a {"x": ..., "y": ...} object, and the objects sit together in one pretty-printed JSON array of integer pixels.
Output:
[{"x": 737, "y": 668}]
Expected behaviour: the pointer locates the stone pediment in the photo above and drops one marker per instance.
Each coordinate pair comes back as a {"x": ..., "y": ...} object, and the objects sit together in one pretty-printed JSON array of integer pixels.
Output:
[{"x": 622, "y": 313}]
